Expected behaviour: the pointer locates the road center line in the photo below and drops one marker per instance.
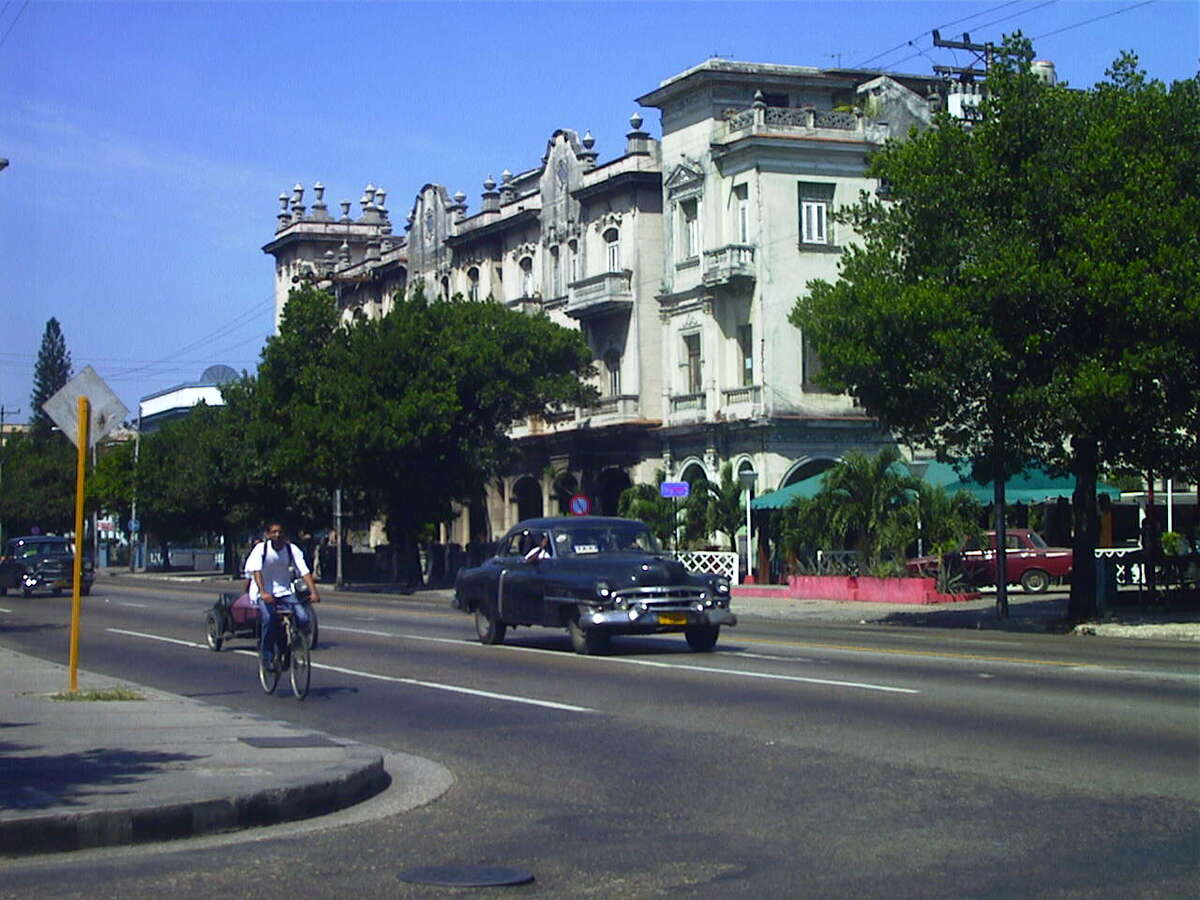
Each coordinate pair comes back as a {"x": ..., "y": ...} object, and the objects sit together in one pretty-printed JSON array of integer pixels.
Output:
[
  {"x": 3, "y": 610},
  {"x": 510, "y": 698},
  {"x": 743, "y": 673}
]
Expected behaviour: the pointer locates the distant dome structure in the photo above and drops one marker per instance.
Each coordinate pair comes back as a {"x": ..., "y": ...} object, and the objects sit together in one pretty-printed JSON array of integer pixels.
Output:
[{"x": 218, "y": 375}]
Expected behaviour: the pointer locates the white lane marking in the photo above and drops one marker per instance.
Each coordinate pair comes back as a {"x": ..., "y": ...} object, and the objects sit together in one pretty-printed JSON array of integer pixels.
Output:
[
  {"x": 158, "y": 637},
  {"x": 772, "y": 658},
  {"x": 135, "y": 605},
  {"x": 529, "y": 701},
  {"x": 743, "y": 673},
  {"x": 3, "y": 610}
]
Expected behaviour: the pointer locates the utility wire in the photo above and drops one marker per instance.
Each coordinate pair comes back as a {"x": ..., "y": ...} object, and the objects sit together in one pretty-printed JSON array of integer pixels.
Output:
[
  {"x": 13, "y": 23},
  {"x": 910, "y": 43},
  {"x": 1090, "y": 21}
]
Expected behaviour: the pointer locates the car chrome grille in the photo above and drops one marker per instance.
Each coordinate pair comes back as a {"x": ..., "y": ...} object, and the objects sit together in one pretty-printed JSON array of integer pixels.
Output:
[{"x": 661, "y": 595}]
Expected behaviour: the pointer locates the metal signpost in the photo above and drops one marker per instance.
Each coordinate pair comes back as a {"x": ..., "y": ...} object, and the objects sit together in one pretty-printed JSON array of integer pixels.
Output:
[
  {"x": 86, "y": 410},
  {"x": 675, "y": 490}
]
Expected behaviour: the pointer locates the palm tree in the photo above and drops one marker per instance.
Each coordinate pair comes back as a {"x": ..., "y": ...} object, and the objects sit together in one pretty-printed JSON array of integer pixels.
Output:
[
  {"x": 646, "y": 502},
  {"x": 867, "y": 503},
  {"x": 725, "y": 510}
]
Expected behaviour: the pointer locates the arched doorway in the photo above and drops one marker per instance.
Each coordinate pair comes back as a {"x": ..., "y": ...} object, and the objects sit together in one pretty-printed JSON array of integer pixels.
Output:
[
  {"x": 528, "y": 494},
  {"x": 609, "y": 487},
  {"x": 565, "y": 486}
]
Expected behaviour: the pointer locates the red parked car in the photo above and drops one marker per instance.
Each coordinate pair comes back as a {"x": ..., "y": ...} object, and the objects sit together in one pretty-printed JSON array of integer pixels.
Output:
[{"x": 1030, "y": 561}]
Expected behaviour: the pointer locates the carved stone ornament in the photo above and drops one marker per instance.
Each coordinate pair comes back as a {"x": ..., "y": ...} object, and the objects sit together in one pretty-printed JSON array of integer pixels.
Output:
[
  {"x": 529, "y": 248},
  {"x": 608, "y": 220},
  {"x": 686, "y": 178}
]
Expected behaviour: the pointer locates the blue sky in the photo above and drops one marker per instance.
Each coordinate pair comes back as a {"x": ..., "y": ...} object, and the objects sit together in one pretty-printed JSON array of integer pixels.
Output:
[{"x": 148, "y": 141}]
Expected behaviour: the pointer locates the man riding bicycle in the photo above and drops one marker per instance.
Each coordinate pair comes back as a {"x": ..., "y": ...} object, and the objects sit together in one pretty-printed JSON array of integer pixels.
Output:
[{"x": 271, "y": 565}]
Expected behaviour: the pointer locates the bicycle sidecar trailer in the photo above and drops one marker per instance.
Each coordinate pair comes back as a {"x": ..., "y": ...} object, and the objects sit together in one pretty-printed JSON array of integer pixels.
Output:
[{"x": 236, "y": 615}]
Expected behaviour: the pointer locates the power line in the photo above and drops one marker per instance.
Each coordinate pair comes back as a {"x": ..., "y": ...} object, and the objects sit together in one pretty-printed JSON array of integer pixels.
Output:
[
  {"x": 911, "y": 41},
  {"x": 1090, "y": 21},
  {"x": 14, "y": 21}
]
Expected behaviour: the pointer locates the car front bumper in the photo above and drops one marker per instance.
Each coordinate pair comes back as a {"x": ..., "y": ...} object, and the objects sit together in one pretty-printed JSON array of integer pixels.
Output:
[{"x": 655, "y": 619}]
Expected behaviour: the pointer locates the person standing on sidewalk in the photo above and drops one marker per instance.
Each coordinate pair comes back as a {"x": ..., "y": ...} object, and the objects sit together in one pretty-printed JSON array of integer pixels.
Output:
[{"x": 273, "y": 566}]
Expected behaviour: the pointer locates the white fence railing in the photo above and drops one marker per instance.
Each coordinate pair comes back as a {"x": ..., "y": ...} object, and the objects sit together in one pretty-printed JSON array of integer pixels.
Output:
[{"x": 716, "y": 562}]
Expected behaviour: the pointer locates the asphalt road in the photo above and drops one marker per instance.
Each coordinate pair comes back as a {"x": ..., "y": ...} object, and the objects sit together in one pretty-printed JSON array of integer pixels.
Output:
[{"x": 797, "y": 760}]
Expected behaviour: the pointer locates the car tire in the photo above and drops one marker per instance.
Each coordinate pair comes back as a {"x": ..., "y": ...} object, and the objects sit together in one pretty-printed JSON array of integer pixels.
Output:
[
  {"x": 1035, "y": 581},
  {"x": 588, "y": 642},
  {"x": 702, "y": 637},
  {"x": 26, "y": 592},
  {"x": 488, "y": 625},
  {"x": 214, "y": 632}
]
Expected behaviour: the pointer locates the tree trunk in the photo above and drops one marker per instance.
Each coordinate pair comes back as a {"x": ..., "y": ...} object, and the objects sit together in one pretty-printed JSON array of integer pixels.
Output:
[
  {"x": 1085, "y": 519},
  {"x": 1001, "y": 545}
]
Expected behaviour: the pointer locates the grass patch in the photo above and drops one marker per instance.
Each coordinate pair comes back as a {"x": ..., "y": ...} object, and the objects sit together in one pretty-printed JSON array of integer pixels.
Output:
[{"x": 94, "y": 696}]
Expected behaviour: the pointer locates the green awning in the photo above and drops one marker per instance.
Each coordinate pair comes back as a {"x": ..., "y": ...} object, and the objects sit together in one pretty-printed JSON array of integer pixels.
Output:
[
  {"x": 1034, "y": 485},
  {"x": 805, "y": 489}
]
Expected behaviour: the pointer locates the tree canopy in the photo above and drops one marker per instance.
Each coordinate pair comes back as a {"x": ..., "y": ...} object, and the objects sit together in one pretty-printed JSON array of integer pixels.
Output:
[
  {"x": 50, "y": 373},
  {"x": 1030, "y": 287}
]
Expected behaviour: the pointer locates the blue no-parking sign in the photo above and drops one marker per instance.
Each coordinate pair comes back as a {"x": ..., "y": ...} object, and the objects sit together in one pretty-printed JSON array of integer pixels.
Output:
[{"x": 580, "y": 505}]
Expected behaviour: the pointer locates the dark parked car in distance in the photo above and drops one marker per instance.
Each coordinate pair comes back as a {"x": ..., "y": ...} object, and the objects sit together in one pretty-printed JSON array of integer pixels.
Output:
[
  {"x": 1029, "y": 562},
  {"x": 597, "y": 577},
  {"x": 42, "y": 562}
]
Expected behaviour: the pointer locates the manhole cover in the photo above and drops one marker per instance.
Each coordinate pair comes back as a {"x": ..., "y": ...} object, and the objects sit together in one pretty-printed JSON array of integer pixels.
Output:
[
  {"x": 466, "y": 876},
  {"x": 274, "y": 743}
]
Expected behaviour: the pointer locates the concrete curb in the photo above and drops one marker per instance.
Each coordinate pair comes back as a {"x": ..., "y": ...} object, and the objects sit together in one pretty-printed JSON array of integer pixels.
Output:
[{"x": 347, "y": 783}]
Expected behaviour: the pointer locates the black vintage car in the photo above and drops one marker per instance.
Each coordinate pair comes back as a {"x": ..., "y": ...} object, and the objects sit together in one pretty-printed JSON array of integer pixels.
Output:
[
  {"x": 596, "y": 577},
  {"x": 42, "y": 562}
]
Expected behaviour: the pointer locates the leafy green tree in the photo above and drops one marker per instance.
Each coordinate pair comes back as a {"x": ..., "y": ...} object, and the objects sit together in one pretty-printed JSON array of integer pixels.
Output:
[
  {"x": 1029, "y": 288},
  {"x": 866, "y": 504},
  {"x": 646, "y": 503},
  {"x": 726, "y": 507},
  {"x": 50, "y": 373},
  {"x": 39, "y": 483}
]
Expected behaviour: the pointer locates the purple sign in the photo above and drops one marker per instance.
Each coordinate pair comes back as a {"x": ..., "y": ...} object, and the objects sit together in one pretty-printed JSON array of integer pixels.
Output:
[{"x": 674, "y": 488}]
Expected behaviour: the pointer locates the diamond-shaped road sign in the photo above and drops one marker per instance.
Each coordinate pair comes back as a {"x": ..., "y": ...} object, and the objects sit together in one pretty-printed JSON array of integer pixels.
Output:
[{"x": 107, "y": 411}]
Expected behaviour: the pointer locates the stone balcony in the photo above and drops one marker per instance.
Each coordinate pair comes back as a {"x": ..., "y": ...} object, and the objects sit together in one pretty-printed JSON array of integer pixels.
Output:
[
  {"x": 728, "y": 265},
  {"x": 806, "y": 121},
  {"x": 751, "y": 394},
  {"x": 623, "y": 405},
  {"x": 601, "y": 294},
  {"x": 688, "y": 404}
]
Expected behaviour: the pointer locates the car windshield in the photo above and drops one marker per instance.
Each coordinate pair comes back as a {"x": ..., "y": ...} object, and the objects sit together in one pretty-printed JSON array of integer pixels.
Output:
[
  {"x": 631, "y": 538},
  {"x": 1037, "y": 540}
]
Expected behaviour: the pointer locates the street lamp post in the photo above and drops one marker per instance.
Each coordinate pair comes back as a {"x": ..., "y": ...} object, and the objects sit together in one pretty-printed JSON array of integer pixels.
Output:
[{"x": 748, "y": 477}]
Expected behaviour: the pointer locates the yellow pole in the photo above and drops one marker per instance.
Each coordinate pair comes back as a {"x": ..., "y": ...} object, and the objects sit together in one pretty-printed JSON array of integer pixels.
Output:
[{"x": 85, "y": 417}]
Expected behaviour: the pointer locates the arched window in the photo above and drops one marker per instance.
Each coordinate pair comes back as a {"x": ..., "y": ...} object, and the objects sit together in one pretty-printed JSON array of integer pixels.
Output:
[
  {"x": 527, "y": 276},
  {"x": 556, "y": 287},
  {"x": 445, "y": 288},
  {"x": 572, "y": 261},
  {"x": 473, "y": 283},
  {"x": 612, "y": 244}
]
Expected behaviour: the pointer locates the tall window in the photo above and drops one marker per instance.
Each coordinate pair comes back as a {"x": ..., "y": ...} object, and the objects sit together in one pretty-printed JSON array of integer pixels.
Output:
[
  {"x": 612, "y": 244},
  {"x": 691, "y": 347},
  {"x": 445, "y": 288},
  {"x": 741, "y": 198},
  {"x": 612, "y": 363},
  {"x": 572, "y": 261},
  {"x": 690, "y": 228},
  {"x": 811, "y": 367},
  {"x": 745, "y": 339},
  {"x": 527, "y": 277},
  {"x": 473, "y": 283},
  {"x": 815, "y": 203},
  {"x": 555, "y": 273}
]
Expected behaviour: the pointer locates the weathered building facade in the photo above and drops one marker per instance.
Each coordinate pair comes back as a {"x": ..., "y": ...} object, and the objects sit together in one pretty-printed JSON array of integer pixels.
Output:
[{"x": 679, "y": 260}]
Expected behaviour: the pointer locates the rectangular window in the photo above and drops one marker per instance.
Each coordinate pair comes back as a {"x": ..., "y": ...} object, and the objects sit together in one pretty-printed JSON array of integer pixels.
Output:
[
  {"x": 613, "y": 247},
  {"x": 816, "y": 201},
  {"x": 690, "y": 230},
  {"x": 691, "y": 346},
  {"x": 742, "y": 199},
  {"x": 745, "y": 340},
  {"x": 555, "y": 273},
  {"x": 572, "y": 262},
  {"x": 812, "y": 367}
]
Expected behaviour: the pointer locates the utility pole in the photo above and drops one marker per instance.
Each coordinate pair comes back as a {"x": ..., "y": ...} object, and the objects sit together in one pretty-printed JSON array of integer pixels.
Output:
[
  {"x": 983, "y": 56},
  {"x": 4, "y": 411}
]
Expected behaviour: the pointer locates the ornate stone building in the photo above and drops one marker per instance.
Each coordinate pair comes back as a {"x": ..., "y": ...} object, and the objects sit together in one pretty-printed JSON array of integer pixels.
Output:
[{"x": 679, "y": 260}]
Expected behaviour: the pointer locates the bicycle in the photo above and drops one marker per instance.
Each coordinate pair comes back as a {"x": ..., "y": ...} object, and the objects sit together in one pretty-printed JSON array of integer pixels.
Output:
[{"x": 291, "y": 654}]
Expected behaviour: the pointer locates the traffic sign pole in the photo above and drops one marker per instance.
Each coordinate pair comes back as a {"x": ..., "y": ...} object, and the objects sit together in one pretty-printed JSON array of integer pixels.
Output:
[{"x": 77, "y": 568}]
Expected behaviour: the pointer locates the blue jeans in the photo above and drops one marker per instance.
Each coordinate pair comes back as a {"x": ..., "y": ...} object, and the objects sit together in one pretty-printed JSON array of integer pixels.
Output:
[{"x": 270, "y": 621}]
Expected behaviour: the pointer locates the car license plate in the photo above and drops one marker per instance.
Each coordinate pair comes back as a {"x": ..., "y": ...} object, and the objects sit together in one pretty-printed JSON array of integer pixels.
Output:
[{"x": 672, "y": 618}]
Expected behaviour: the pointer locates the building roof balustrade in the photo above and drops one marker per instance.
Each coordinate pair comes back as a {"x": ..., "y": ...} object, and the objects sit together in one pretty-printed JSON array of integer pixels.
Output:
[
  {"x": 729, "y": 264},
  {"x": 600, "y": 294}
]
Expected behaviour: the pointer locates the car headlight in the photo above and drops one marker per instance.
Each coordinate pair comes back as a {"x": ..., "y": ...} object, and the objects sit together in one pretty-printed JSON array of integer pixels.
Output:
[
  {"x": 603, "y": 590},
  {"x": 722, "y": 586}
]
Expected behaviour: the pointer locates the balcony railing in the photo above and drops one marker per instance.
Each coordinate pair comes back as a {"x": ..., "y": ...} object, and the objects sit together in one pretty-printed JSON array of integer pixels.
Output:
[
  {"x": 604, "y": 293},
  {"x": 625, "y": 405},
  {"x": 688, "y": 403},
  {"x": 751, "y": 393},
  {"x": 729, "y": 263},
  {"x": 784, "y": 120}
]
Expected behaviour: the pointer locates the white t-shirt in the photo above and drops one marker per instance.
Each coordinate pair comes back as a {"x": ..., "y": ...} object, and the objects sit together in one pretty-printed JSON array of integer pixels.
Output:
[{"x": 275, "y": 566}]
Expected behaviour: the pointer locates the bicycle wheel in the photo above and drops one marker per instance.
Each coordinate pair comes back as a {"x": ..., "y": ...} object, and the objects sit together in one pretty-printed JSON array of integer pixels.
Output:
[
  {"x": 300, "y": 670},
  {"x": 268, "y": 675}
]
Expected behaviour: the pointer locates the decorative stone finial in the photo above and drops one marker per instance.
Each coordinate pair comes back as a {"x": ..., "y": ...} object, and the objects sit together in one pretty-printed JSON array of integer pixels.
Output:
[
  {"x": 345, "y": 204},
  {"x": 283, "y": 202},
  {"x": 588, "y": 140},
  {"x": 459, "y": 197},
  {"x": 319, "y": 190},
  {"x": 506, "y": 176},
  {"x": 381, "y": 198},
  {"x": 759, "y": 102},
  {"x": 490, "y": 184},
  {"x": 636, "y": 121},
  {"x": 297, "y": 193}
]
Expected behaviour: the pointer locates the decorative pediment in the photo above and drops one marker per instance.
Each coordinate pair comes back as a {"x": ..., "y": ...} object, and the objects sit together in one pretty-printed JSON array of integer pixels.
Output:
[
  {"x": 686, "y": 177},
  {"x": 606, "y": 221},
  {"x": 529, "y": 248}
]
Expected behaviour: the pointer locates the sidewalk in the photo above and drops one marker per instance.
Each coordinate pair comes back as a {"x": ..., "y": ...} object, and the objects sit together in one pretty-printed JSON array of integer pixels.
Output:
[{"x": 89, "y": 774}]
